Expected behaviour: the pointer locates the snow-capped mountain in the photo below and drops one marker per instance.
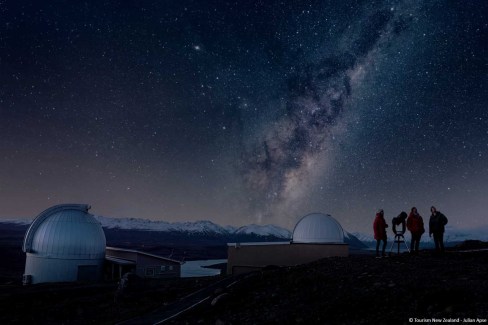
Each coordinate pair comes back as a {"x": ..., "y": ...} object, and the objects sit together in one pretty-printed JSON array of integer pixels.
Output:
[
  {"x": 209, "y": 228},
  {"x": 202, "y": 227},
  {"x": 264, "y": 231},
  {"x": 16, "y": 221},
  {"x": 197, "y": 227},
  {"x": 205, "y": 227},
  {"x": 353, "y": 241},
  {"x": 363, "y": 237}
]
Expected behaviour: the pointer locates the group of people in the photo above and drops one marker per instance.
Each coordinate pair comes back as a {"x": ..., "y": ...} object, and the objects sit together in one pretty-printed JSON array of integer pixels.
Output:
[{"x": 415, "y": 224}]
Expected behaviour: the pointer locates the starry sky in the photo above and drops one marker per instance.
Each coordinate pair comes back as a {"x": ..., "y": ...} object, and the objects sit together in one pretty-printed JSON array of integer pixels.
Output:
[{"x": 245, "y": 112}]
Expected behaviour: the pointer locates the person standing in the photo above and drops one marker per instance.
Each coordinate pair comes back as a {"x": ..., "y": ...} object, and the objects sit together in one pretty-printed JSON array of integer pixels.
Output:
[
  {"x": 437, "y": 224},
  {"x": 379, "y": 227},
  {"x": 415, "y": 224}
]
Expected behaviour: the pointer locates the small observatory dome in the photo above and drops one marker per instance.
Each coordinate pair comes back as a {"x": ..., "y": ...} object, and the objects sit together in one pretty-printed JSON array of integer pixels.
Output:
[
  {"x": 64, "y": 243},
  {"x": 318, "y": 228}
]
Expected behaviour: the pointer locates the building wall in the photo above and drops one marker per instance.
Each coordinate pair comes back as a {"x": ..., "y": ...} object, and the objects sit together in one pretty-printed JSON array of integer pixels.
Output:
[
  {"x": 245, "y": 258},
  {"x": 148, "y": 266},
  {"x": 45, "y": 269}
]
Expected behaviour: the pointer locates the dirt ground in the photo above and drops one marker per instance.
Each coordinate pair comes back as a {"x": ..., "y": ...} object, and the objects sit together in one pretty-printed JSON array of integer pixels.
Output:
[
  {"x": 357, "y": 290},
  {"x": 89, "y": 304}
]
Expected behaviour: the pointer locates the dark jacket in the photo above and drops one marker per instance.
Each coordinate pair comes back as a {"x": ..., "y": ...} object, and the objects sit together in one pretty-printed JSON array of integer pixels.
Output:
[
  {"x": 379, "y": 227},
  {"x": 436, "y": 223},
  {"x": 415, "y": 224}
]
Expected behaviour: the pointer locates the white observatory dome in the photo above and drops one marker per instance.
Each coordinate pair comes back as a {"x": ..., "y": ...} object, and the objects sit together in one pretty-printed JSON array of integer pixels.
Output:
[
  {"x": 64, "y": 243},
  {"x": 318, "y": 228}
]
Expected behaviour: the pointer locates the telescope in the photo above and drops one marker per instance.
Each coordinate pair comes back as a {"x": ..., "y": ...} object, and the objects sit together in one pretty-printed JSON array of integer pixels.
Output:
[
  {"x": 399, "y": 221},
  {"x": 399, "y": 238}
]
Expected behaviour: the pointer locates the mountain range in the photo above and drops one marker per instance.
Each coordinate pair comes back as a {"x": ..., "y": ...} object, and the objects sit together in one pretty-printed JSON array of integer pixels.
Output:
[
  {"x": 251, "y": 232},
  {"x": 200, "y": 229},
  {"x": 254, "y": 232}
]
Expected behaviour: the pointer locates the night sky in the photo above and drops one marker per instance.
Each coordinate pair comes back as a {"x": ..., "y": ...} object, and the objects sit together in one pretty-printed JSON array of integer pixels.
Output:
[{"x": 245, "y": 112}]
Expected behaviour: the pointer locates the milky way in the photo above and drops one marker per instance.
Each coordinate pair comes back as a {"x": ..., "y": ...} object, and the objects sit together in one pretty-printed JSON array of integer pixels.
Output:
[{"x": 279, "y": 169}]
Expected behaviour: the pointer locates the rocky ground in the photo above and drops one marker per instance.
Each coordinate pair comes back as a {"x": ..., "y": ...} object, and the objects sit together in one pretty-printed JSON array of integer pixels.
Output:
[
  {"x": 71, "y": 303},
  {"x": 356, "y": 290}
]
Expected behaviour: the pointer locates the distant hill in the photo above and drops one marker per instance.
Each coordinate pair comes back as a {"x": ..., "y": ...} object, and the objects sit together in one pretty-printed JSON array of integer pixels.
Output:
[
  {"x": 196, "y": 227},
  {"x": 206, "y": 229}
]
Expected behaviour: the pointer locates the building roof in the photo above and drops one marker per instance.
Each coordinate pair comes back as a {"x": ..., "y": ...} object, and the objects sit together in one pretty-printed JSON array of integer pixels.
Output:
[
  {"x": 66, "y": 231},
  {"x": 141, "y": 253},
  {"x": 120, "y": 261},
  {"x": 318, "y": 228},
  {"x": 267, "y": 243}
]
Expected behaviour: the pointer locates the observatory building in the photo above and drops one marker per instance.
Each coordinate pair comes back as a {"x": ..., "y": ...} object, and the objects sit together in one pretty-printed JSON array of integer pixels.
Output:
[
  {"x": 315, "y": 236},
  {"x": 64, "y": 243},
  {"x": 317, "y": 228}
]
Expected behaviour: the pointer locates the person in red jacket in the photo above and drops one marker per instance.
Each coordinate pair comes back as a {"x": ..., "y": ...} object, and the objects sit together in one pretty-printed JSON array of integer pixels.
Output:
[
  {"x": 379, "y": 227},
  {"x": 415, "y": 224}
]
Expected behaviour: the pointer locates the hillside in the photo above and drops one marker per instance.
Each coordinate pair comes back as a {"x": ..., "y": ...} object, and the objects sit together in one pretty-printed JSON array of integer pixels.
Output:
[
  {"x": 359, "y": 289},
  {"x": 356, "y": 290}
]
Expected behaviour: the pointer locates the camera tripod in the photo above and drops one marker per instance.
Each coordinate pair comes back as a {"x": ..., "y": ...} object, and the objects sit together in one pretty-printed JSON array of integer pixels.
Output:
[{"x": 399, "y": 238}]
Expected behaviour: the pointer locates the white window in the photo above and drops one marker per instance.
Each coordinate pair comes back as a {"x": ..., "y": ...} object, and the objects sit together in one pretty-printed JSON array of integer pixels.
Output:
[
  {"x": 171, "y": 267},
  {"x": 149, "y": 271},
  {"x": 163, "y": 268}
]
